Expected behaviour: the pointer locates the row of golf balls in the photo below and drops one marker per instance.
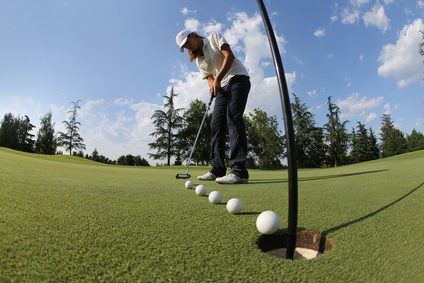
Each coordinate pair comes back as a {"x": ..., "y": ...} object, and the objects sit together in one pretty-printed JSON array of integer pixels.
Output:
[{"x": 267, "y": 222}]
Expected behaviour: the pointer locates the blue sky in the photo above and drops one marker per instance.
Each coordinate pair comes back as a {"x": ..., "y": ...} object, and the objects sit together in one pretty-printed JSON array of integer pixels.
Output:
[{"x": 120, "y": 57}]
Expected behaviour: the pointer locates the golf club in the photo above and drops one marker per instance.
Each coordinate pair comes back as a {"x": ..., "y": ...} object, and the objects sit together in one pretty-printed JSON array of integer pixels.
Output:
[{"x": 186, "y": 175}]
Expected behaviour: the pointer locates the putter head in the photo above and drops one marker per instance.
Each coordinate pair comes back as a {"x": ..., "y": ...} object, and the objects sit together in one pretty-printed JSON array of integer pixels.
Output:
[{"x": 183, "y": 176}]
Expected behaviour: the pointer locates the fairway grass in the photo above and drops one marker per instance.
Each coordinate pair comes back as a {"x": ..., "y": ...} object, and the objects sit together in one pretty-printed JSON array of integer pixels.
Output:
[{"x": 65, "y": 219}]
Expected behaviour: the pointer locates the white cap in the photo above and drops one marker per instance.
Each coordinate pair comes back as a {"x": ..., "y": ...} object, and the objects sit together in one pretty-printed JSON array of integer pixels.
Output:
[{"x": 182, "y": 38}]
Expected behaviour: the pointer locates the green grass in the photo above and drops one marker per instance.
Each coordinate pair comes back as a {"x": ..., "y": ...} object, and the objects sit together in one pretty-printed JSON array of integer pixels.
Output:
[{"x": 67, "y": 219}]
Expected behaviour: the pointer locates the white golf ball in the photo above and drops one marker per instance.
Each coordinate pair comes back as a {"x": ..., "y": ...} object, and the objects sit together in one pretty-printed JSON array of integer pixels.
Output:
[
  {"x": 189, "y": 185},
  {"x": 215, "y": 197},
  {"x": 201, "y": 190},
  {"x": 234, "y": 206},
  {"x": 268, "y": 222}
]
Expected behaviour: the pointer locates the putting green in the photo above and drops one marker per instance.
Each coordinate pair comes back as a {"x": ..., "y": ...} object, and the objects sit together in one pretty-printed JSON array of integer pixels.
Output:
[{"x": 65, "y": 218}]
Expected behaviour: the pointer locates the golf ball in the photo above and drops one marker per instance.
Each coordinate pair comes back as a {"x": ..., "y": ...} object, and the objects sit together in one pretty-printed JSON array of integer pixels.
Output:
[
  {"x": 189, "y": 185},
  {"x": 268, "y": 222},
  {"x": 215, "y": 197},
  {"x": 201, "y": 190},
  {"x": 234, "y": 206}
]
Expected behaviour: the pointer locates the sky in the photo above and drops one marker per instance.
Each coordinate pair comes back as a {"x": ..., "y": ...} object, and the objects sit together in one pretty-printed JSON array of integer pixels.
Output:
[{"x": 119, "y": 58}]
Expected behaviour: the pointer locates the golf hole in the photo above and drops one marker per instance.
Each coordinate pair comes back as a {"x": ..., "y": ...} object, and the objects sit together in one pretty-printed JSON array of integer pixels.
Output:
[{"x": 309, "y": 245}]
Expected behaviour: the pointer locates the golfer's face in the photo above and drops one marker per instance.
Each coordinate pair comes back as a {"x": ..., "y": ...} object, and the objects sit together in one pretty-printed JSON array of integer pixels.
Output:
[{"x": 190, "y": 44}]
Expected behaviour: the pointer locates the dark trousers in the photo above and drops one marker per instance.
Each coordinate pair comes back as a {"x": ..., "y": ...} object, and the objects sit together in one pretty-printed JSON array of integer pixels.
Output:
[{"x": 228, "y": 111}]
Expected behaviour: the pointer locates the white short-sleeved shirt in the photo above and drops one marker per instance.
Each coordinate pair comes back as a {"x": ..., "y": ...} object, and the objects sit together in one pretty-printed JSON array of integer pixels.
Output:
[{"x": 211, "y": 62}]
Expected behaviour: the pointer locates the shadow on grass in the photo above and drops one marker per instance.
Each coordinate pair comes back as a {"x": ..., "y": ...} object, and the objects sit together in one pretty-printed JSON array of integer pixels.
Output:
[
  {"x": 285, "y": 180},
  {"x": 249, "y": 213},
  {"x": 321, "y": 242},
  {"x": 370, "y": 214}
]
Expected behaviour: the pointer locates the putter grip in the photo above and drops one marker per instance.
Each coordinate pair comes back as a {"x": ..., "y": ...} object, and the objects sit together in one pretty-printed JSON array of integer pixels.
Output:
[{"x": 212, "y": 96}]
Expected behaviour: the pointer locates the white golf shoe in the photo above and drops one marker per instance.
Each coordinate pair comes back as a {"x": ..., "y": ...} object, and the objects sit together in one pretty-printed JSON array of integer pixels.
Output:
[
  {"x": 231, "y": 178},
  {"x": 207, "y": 177}
]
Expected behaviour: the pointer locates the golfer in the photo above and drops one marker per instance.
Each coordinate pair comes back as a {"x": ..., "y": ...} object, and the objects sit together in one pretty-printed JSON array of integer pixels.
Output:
[{"x": 229, "y": 82}]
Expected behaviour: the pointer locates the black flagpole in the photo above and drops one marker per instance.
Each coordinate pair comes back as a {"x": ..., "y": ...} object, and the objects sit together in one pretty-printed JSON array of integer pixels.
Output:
[{"x": 291, "y": 143}]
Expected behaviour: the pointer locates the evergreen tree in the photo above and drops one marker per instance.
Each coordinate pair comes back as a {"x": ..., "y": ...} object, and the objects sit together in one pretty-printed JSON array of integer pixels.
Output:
[
  {"x": 386, "y": 129},
  {"x": 71, "y": 139},
  {"x": 265, "y": 140},
  {"x": 360, "y": 145},
  {"x": 8, "y": 131},
  {"x": 15, "y": 133},
  {"x": 46, "y": 139},
  {"x": 25, "y": 138},
  {"x": 354, "y": 149},
  {"x": 187, "y": 135},
  {"x": 336, "y": 136},
  {"x": 396, "y": 143},
  {"x": 129, "y": 160},
  {"x": 95, "y": 155},
  {"x": 373, "y": 150},
  {"x": 415, "y": 141},
  {"x": 138, "y": 161},
  {"x": 166, "y": 124},
  {"x": 310, "y": 146}
]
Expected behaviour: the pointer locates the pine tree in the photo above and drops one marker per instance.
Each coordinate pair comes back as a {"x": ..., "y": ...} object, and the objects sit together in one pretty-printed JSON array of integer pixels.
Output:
[
  {"x": 46, "y": 139},
  {"x": 415, "y": 141},
  {"x": 373, "y": 150},
  {"x": 396, "y": 143},
  {"x": 167, "y": 123},
  {"x": 386, "y": 129},
  {"x": 15, "y": 133},
  {"x": 71, "y": 139},
  {"x": 310, "y": 146},
  {"x": 336, "y": 136}
]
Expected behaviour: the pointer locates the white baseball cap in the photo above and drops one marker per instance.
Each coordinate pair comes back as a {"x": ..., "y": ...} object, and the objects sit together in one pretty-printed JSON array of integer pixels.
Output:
[{"x": 182, "y": 38}]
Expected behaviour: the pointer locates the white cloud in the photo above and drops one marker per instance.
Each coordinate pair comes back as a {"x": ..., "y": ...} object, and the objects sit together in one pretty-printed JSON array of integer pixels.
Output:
[
  {"x": 402, "y": 61},
  {"x": 125, "y": 132},
  {"x": 315, "y": 109},
  {"x": 312, "y": 93},
  {"x": 358, "y": 3},
  {"x": 144, "y": 126},
  {"x": 388, "y": 108},
  {"x": 371, "y": 117},
  {"x": 192, "y": 24},
  {"x": 57, "y": 110},
  {"x": 377, "y": 17},
  {"x": 123, "y": 101},
  {"x": 420, "y": 3},
  {"x": 19, "y": 104},
  {"x": 212, "y": 26},
  {"x": 92, "y": 110},
  {"x": 355, "y": 106},
  {"x": 319, "y": 33},
  {"x": 246, "y": 35},
  {"x": 361, "y": 57},
  {"x": 350, "y": 17},
  {"x": 419, "y": 122},
  {"x": 186, "y": 11},
  {"x": 266, "y": 64}
]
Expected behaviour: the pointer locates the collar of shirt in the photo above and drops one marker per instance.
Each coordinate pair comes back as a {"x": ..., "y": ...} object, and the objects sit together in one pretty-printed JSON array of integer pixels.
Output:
[{"x": 205, "y": 45}]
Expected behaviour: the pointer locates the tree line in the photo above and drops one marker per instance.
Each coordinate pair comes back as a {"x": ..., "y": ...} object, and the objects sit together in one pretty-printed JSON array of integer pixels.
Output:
[
  {"x": 331, "y": 145},
  {"x": 15, "y": 133}
]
